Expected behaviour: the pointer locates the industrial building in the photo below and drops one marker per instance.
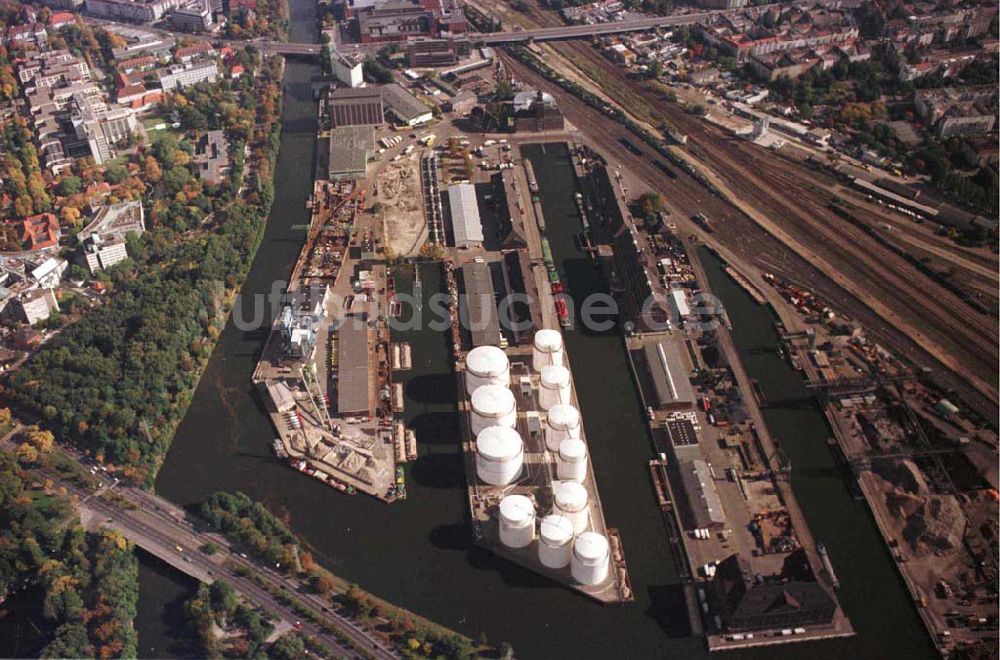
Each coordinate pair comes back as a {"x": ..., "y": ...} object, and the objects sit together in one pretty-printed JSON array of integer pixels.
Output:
[
  {"x": 346, "y": 68},
  {"x": 401, "y": 20},
  {"x": 749, "y": 602},
  {"x": 298, "y": 332},
  {"x": 350, "y": 147},
  {"x": 465, "y": 215},
  {"x": 704, "y": 505},
  {"x": 353, "y": 375},
  {"x": 479, "y": 310},
  {"x": 405, "y": 107},
  {"x": 535, "y": 111},
  {"x": 355, "y": 107},
  {"x": 436, "y": 52},
  {"x": 634, "y": 287},
  {"x": 669, "y": 375}
]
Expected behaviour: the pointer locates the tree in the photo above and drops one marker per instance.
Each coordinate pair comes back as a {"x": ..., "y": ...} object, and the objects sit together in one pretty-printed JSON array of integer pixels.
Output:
[
  {"x": 152, "y": 170},
  {"x": 115, "y": 173},
  {"x": 27, "y": 454},
  {"x": 69, "y": 185},
  {"x": 322, "y": 584},
  {"x": 41, "y": 440},
  {"x": 70, "y": 216}
]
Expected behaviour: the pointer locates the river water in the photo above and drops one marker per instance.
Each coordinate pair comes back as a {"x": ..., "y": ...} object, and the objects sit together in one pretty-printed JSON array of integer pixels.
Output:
[{"x": 418, "y": 553}]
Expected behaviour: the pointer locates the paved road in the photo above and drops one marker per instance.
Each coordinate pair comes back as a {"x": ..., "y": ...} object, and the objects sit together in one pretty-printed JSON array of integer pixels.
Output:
[{"x": 163, "y": 529}]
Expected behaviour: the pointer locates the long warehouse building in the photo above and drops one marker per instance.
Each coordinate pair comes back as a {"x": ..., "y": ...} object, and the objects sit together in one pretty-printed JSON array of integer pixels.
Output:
[
  {"x": 669, "y": 375},
  {"x": 354, "y": 379},
  {"x": 465, "y": 215},
  {"x": 479, "y": 308}
]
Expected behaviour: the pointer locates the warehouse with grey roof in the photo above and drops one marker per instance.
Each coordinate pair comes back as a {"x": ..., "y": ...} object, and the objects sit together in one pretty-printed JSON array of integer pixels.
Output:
[
  {"x": 479, "y": 309},
  {"x": 669, "y": 375},
  {"x": 353, "y": 376}
]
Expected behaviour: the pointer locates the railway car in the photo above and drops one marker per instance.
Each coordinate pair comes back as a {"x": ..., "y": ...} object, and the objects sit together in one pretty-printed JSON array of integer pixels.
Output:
[{"x": 628, "y": 144}]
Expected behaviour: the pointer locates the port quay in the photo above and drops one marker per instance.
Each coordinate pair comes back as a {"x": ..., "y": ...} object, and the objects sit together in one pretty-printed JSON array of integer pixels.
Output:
[{"x": 753, "y": 575}]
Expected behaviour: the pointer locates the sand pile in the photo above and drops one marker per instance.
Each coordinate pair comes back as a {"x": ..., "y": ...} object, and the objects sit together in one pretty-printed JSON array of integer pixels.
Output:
[{"x": 930, "y": 524}]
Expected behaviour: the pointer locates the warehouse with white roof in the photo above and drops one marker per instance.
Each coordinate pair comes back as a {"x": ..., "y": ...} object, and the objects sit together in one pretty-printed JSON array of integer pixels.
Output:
[{"x": 465, "y": 215}]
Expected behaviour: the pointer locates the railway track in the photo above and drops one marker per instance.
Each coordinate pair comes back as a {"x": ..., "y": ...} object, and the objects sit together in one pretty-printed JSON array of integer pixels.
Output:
[
  {"x": 953, "y": 332},
  {"x": 757, "y": 245}
]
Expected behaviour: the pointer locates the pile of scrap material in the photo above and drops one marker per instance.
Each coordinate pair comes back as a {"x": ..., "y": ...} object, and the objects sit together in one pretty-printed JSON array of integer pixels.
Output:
[{"x": 930, "y": 524}]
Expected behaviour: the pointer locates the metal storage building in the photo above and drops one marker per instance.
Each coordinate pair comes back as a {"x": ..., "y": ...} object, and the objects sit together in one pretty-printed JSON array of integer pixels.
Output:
[
  {"x": 353, "y": 383},
  {"x": 703, "y": 499},
  {"x": 479, "y": 309},
  {"x": 355, "y": 107},
  {"x": 406, "y": 107},
  {"x": 465, "y": 214},
  {"x": 669, "y": 375}
]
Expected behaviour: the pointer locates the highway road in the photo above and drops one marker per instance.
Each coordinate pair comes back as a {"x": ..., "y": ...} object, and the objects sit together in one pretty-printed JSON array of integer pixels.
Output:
[{"x": 164, "y": 530}]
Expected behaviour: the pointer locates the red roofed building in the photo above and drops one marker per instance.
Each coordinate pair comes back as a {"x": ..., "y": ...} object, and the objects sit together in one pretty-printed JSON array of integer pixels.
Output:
[
  {"x": 188, "y": 53},
  {"x": 136, "y": 64},
  {"x": 40, "y": 232},
  {"x": 236, "y": 71},
  {"x": 236, "y": 5},
  {"x": 60, "y": 19}
]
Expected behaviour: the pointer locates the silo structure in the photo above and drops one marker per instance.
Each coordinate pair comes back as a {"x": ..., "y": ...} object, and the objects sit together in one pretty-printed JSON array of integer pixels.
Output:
[
  {"x": 548, "y": 349},
  {"x": 499, "y": 455},
  {"x": 555, "y": 386},
  {"x": 590, "y": 558},
  {"x": 492, "y": 405},
  {"x": 571, "y": 500},
  {"x": 517, "y": 521},
  {"x": 555, "y": 541},
  {"x": 486, "y": 365},
  {"x": 562, "y": 421},
  {"x": 572, "y": 462}
]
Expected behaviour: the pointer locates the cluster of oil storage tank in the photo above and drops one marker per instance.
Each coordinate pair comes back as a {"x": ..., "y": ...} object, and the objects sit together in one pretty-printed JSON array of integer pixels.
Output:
[
  {"x": 562, "y": 539},
  {"x": 499, "y": 448},
  {"x": 562, "y": 536}
]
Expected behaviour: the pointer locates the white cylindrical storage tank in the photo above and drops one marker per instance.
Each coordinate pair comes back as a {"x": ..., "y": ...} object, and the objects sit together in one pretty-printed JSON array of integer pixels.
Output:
[
  {"x": 590, "y": 558},
  {"x": 499, "y": 455},
  {"x": 517, "y": 521},
  {"x": 555, "y": 541},
  {"x": 492, "y": 405},
  {"x": 548, "y": 349},
  {"x": 572, "y": 462},
  {"x": 555, "y": 388},
  {"x": 562, "y": 421},
  {"x": 486, "y": 365},
  {"x": 571, "y": 500}
]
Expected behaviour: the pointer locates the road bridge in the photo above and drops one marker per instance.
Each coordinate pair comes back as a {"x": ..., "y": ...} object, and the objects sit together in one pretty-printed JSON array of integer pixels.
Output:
[
  {"x": 536, "y": 34},
  {"x": 165, "y": 531}
]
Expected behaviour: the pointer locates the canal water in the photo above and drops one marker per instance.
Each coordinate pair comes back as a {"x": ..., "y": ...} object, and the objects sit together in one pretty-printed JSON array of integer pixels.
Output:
[
  {"x": 418, "y": 553},
  {"x": 872, "y": 593}
]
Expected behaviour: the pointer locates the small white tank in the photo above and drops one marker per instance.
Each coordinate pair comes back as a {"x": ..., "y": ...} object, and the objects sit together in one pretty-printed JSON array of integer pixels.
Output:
[
  {"x": 517, "y": 521},
  {"x": 499, "y": 455},
  {"x": 572, "y": 462},
  {"x": 486, "y": 365},
  {"x": 548, "y": 349},
  {"x": 562, "y": 421},
  {"x": 571, "y": 500},
  {"x": 555, "y": 541},
  {"x": 492, "y": 405},
  {"x": 555, "y": 387},
  {"x": 590, "y": 558}
]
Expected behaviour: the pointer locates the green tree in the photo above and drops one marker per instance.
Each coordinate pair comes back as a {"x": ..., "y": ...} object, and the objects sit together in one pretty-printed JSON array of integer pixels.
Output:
[{"x": 69, "y": 185}]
